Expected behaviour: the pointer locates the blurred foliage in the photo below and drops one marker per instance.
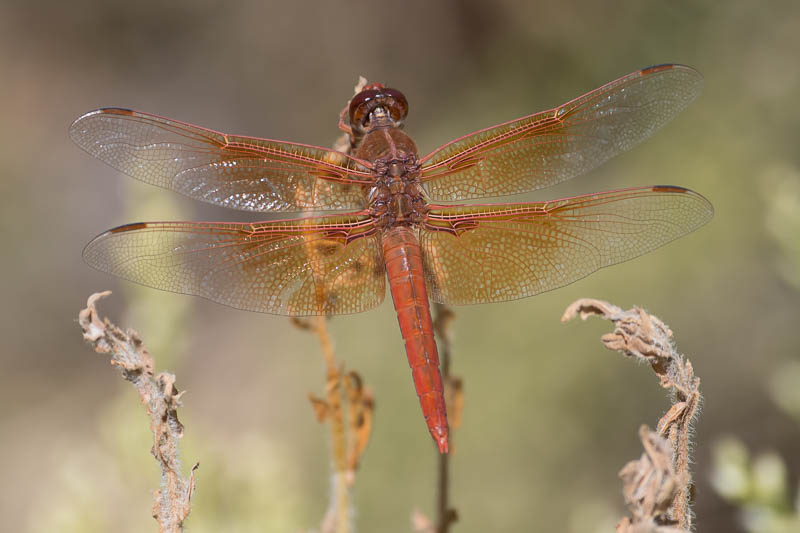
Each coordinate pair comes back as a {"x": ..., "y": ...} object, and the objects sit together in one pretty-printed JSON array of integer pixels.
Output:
[
  {"x": 784, "y": 388},
  {"x": 759, "y": 486},
  {"x": 245, "y": 484},
  {"x": 781, "y": 191}
]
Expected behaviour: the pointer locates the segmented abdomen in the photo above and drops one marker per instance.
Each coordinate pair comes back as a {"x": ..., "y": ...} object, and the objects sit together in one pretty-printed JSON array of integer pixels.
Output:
[{"x": 403, "y": 258}]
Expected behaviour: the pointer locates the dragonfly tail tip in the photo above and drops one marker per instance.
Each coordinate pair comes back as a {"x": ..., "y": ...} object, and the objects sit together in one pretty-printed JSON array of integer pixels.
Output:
[{"x": 443, "y": 444}]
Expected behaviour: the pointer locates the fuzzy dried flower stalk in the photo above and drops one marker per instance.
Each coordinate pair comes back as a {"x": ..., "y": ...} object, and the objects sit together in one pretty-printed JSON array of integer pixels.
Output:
[
  {"x": 172, "y": 503},
  {"x": 348, "y": 409},
  {"x": 350, "y": 432},
  {"x": 657, "y": 487}
]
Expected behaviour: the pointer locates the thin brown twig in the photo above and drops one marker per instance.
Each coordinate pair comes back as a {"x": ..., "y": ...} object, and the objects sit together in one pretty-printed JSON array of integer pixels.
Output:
[
  {"x": 348, "y": 442},
  {"x": 172, "y": 503},
  {"x": 445, "y": 514},
  {"x": 361, "y": 406},
  {"x": 348, "y": 438},
  {"x": 658, "y": 486},
  {"x": 337, "y": 518}
]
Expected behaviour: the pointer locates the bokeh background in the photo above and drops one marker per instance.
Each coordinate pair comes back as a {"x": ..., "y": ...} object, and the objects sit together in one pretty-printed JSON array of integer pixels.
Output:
[{"x": 550, "y": 416}]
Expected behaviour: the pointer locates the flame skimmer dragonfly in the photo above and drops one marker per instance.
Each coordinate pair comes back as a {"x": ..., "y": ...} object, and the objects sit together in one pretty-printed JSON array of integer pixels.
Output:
[{"x": 452, "y": 254}]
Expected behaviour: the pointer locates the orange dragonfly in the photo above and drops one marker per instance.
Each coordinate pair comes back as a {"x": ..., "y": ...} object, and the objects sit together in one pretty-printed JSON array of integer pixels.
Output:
[{"x": 451, "y": 254}]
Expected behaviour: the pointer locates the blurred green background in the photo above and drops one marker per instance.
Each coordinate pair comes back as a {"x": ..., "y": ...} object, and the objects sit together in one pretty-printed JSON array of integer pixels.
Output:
[{"x": 550, "y": 415}]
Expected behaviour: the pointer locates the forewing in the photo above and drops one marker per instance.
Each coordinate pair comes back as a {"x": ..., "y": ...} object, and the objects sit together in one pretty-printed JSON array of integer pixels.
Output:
[
  {"x": 232, "y": 171},
  {"x": 552, "y": 146},
  {"x": 328, "y": 265},
  {"x": 477, "y": 254}
]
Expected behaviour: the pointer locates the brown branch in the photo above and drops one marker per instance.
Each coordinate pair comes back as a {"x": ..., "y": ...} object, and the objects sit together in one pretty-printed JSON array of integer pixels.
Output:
[
  {"x": 349, "y": 434},
  {"x": 651, "y": 486},
  {"x": 657, "y": 486},
  {"x": 361, "y": 404},
  {"x": 454, "y": 399},
  {"x": 172, "y": 503}
]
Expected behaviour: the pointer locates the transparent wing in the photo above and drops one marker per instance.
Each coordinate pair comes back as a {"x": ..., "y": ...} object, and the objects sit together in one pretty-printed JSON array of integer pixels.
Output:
[
  {"x": 327, "y": 265},
  {"x": 239, "y": 172},
  {"x": 493, "y": 253},
  {"x": 552, "y": 146}
]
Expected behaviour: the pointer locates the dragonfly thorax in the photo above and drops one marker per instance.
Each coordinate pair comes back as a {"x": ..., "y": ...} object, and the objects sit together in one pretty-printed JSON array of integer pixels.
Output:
[{"x": 397, "y": 197}]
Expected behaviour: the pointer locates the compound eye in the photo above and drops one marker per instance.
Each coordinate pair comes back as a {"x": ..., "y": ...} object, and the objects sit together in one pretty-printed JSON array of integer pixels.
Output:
[
  {"x": 361, "y": 105},
  {"x": 397, "y": 104},
  {"x": 368, "y": 100}
]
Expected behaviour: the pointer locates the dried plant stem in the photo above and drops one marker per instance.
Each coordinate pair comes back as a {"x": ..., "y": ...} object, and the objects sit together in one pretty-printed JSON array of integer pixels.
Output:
[
  {"x": 333, "y": 392},
  {"x": 161, "y": 399},
  {"x": 657, "y": 487},
  {"x": 349, "y": 435},
  {"x": 445, "y": 515},
  {"x": 347, "y": 441},
  {"x": 338, "y": 516}
]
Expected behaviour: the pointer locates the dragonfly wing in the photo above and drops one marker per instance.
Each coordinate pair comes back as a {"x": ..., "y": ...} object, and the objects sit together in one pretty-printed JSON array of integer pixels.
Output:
[
  {"x": 491, "y": 253},
  {"x": 546, "y": 148},
  {"x": 312, "y": 266},
  {"x": 244, "y": 173}
]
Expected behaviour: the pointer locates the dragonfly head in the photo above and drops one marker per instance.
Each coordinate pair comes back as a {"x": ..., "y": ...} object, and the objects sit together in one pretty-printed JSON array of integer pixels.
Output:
[{"x": 377, "y": 104}]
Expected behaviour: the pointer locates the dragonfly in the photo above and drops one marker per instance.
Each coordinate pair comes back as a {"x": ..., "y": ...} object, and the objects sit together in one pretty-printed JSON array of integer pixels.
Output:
[{"x": 379, "y": 212}]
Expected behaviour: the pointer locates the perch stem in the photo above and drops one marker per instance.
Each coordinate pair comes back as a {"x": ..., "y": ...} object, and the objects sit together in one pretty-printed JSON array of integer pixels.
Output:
[
  {"x": 338, "y": 516},
  {"x": 445, "y": 515}
]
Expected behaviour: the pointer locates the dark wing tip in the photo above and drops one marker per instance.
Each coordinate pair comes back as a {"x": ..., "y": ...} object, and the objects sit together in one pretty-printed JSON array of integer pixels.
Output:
[
  {"x": 75, "y": 130},
  {"x": 658, "y": 68},
  {"x": 652, "y": 69},
  {"x": 691, "y": 72},
  {"x": 115, "y": 111},
  {"x": 670, "y": 188},
  {"x": 88, "y": 250},
  {"x": 676, "y": 189},
  {"x": 127, "y": 227}
]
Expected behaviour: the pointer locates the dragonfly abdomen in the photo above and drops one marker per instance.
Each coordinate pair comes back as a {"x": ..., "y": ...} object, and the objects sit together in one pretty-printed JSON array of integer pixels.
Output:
[{"x": 403, "y": 258}]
